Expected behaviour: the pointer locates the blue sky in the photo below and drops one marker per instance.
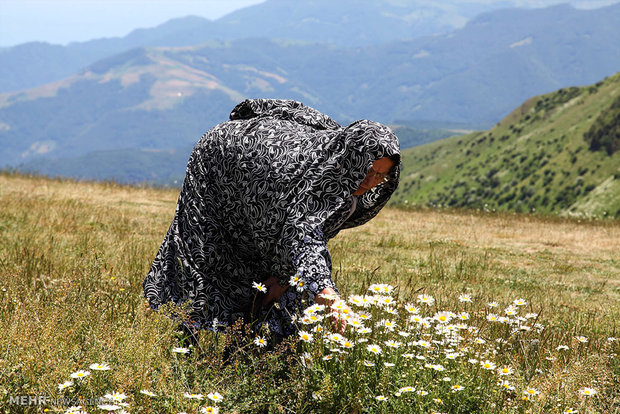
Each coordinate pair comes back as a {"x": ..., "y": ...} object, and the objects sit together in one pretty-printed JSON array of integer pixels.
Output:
[{"x": 64, "y": 21}]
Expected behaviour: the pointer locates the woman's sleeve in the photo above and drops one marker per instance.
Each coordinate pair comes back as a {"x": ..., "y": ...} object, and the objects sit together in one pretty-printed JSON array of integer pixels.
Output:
[{"x": 312, "y": 265}]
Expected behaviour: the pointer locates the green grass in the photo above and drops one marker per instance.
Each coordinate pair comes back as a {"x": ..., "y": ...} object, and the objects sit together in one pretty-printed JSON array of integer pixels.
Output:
[{"x": 74, "y": 255}]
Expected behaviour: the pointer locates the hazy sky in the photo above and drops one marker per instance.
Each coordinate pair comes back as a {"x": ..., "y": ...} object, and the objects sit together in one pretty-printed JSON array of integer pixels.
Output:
[{"x": 64, "y": 21}]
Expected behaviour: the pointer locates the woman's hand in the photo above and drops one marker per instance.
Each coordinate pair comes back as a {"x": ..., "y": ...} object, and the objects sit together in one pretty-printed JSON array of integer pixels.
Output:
[
  {"x": 274, "y": 290},
  {"x": 327, "y": 297}
]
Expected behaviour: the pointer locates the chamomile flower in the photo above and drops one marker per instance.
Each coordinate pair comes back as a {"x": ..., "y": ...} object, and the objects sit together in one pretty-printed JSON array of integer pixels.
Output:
[
  {"x": 587, "y": 391},
  {"x": 368, "y": 363},
  {"x": 364, "y": 330},
  {"x": 389, "y": 364},
  {"x": 422, "y": 392},
  {"x": 457, "y": 387},
  {"x": 581, "y": 339},
  {"x": 463, "y": 316},
  {"x": 115, "y": 396},
  {"x": 569, "y": 411},
  {"x": 336, "y": 337},
  {"x": 190, "y": 396},
  {"x": 215, "y": 396},
  {"x": 406, "y": 389},
  {"x": 305, "y": 336},
  {"x": 465, "y": 298},
  {"x": 80, "y": 374},
  {"x": 260, "y": 287},
  {"x": 149, "y": 393},
  {"x": 492, "y": 304},
  {"x": 65, "y": 385},
  {"x": 375, "y": 349},
  {"x": 426, "y": 299},
  {"x": 346, "y": 344},
  {"x": 443, "y": 316},
  {"x": 562, "y": 348},
  {"x": 487, "y": 365},
  {"x": 411, "y": 308},
  {"x": 531, "y": 315},
  {"x": 209, "y": 410},
  {"x": 479, "y": 341},
  {"x": 505, "y": 371},
  {"x": 99, "y": 367},
  {"x": 511, "y": 310},
  {"x": 180, "y": 350},
  {"x": 529, "y": 391},
  {"x": 390, "y": 343},
  {"x": 491, "y": 317},
  {"x": 76, "y": 409},
  {"x": 519, "y": 302},
  {"x": 260, "y": 341},
  {"x": 381, "y": 398},
  {"x": 507, "y": 385}
]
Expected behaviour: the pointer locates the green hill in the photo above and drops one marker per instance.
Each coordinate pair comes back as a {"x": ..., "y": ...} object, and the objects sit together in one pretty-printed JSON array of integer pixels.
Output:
[{"x": 557, "y": 153}]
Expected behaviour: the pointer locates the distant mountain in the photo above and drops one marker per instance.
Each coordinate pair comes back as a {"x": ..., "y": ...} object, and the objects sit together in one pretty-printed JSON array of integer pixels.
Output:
[
  {"x": 343, "y": 23},
  {"x": 556, "y": 153},
  {"x": 162, "y": 98}
]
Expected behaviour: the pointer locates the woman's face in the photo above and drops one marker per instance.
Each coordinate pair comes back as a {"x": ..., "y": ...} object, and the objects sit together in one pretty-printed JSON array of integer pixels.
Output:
[{"x": 377, "y": 173}]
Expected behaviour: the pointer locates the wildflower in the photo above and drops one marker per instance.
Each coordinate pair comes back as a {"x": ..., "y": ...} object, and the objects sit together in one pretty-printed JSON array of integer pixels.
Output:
[
  {"x": 388, "y": 324},
  {"x": 424, "y": 344},
  {"x": 375, "y": 349},
  {"x": 260, "y": 287},
  {"x": 506, "y": 371},
  {"x": 404, "y": 334},
  {"x": 465, "y": 298},
  {"x": 479, "y": 341},
  {"x": 569, "y": 411},
  {"x": 355, "y": 323},
  {"x": 416, "y": 319},
  {"x": 368, "y": 363},
  {"x": 149, "y": 393},
  {"x": 463, "y": 316},
  {"x": 422, "y": 392},
  {"x": 115, "y": 396},
  {"x": 520, "y": 302},
  {"x": 64, "y": 385},
  {"x": 506, "y": 385},
  {"x": 443, "y": 317},
  {"x": 329, "y": 296},
  {"x": 587, "y": 391},
  {"x": 391, "y": 311},
  {"x": 99, "y": 367},
  {"x": 364, "y": 316},
  {"x": 260, "y": 341},
  {"x": 209, "y": 410},
  {"x": 193, "y": 396},
  {"x": 327, "y": 357},
  {"x": 511, "y": 310},
  {"x": 180, "y": 350},
  {"x": 109, "y": 407},
  {"x": 392, "y": 344},
  {"x": 529, "y": 391},
  {"x": 581, "y": 339},
  {"x": 306, "y": 336},
  {"x": 472, "y": 361},
  {"x": 389, "y": 364},
  {"x": 406, "y": 389},
  {"x": 426, "y": 299},
  {"x": 611, "y": 339},
  {"x": 215, "y": 396},
  {"x": 457, "y": 387},
  {"x": 346, "y": 344},
  {"x": 364, "y": 330},
  {"x": 492, "y": 304},
  {"x": 487, "y": 364},
  {"x": 336, "y": 337},
  {"x": 381, "y": 398},
  {"x": 452, "y": 356},
  {"x": 76, "y": 409},
  {"x": 491, "y": 317},
  {"x": 408, "y": 356},
  {"x": 531, "y": 315},
  {"x": 446, "y": 379},
  {"x": 314, "y": 309},
  {"x": 80, "y": 374},
  {"x": 411, "y": 308}
]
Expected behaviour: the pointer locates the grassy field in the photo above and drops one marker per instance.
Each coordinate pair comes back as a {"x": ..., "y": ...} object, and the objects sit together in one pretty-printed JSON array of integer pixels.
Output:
[{"x": 73, "y": 257}]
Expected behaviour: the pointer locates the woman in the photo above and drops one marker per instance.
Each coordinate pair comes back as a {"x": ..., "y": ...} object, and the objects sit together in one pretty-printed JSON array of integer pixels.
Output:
[{"x": 263, "y": 194}]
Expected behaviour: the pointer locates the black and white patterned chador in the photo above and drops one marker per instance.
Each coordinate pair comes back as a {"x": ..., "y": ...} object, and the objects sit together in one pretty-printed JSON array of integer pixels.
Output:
[{"x": 263, "y": 194}]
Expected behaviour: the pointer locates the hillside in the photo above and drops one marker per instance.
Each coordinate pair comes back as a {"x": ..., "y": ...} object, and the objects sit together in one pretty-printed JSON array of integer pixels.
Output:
[
  {"x": 164, "y": 98},
  {"x": 556, "y": 153}
]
